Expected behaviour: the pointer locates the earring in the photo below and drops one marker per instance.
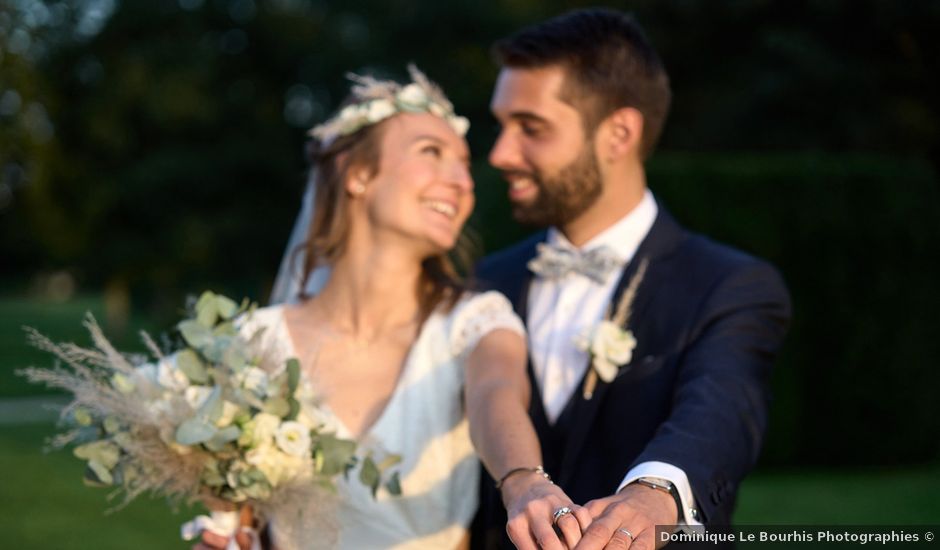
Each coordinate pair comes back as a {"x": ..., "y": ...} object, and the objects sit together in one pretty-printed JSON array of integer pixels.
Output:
[{"x": 357, "y": 188}]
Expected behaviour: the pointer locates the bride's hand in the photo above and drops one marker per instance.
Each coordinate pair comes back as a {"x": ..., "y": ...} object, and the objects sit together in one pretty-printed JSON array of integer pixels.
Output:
[
  {"x": 210, "y": 540},
  {"x": 531, "y": 502}
]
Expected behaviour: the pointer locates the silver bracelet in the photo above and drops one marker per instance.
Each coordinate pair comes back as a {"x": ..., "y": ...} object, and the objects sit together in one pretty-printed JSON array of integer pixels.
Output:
[{"x": 537, "y": 470}]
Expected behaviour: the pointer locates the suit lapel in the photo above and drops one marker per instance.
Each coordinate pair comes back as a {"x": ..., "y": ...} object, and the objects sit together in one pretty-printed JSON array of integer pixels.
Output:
[{"x": 663, "y": 238}]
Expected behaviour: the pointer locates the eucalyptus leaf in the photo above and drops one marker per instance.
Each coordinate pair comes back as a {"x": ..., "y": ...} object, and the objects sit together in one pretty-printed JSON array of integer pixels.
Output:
[
  {"x": 226, "y": 307},
  {"x": 195, "y": 334},
  {"x": 350, "y": 466},
  {"x": 212, "y": 479},
  {"x": 216, "y": 446},
  {"x": 294, "y": 409},
  {"x": 255, "y": 474},
  {"x": 389, "y": 461},
  {"x": 222, "y": 438},
  {"x": 242, "y": 418},
  {"x": 225, "y": 329},
  {"x": 278, "y": 385},
  {"x": 111, "y": 424},
  {"x": 235, "y": 355},
  {"x": 207, "y": 315},
  {"x": 293, "y": 375},
  {"x": 97, "y": 475},
  {"x": 229, "y": 433},
  {"x": 338, "y": 454},
  {"x": 117, "y": 476},
  {"x": 87, "y": 434},
  {"x": 82, "y": 416},
  {"x": 103, "y": 452},
  {"x": 258, "y": 491},
  {"x": 190, "y": 364},
  {"x": 215, "y": 349},
  {"x": 124, "y": 440},
  {"x": 207, "y": 309},
  {"x": 194, "y": 431},
  {"x": 393, "y": 485},
  {"x": 206, "y": 299},
  {"x": 278, "y": 406},
  {"x": 369, "y": 474},
  {"x": 252, "y": 400},
  {"x": 211, "y": 410}
]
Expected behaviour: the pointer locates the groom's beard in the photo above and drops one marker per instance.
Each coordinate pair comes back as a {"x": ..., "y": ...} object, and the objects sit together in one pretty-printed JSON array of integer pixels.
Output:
[{"x": 564, "y": 196}]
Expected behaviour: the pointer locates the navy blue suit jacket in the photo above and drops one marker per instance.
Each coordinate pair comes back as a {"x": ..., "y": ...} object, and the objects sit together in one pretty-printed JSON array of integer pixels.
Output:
[{"x": 708, "y": 321}]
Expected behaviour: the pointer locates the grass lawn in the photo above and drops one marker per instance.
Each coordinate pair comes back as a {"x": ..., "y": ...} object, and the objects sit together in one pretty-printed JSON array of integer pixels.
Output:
[
  {"x": 45, "y": 504},
  {"x": 895, "y": 496},
  {"x": 58, "y": 321}
]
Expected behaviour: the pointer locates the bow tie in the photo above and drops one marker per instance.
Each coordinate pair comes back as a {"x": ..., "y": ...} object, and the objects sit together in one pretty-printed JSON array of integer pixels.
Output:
[{"x": 555, "y": 261}]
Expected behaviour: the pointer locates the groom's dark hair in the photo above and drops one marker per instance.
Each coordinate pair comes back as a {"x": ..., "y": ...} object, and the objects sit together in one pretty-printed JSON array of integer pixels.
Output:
[{"x": 608, "y": 64}]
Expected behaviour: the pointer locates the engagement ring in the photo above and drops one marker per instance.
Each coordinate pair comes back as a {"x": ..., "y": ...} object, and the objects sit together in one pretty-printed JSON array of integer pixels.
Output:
[{"x": 563, "y": 511}]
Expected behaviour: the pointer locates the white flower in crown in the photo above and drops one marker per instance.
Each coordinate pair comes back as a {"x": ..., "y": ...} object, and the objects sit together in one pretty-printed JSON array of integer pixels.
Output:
[
  {"x": 377, "y": 100},
  {"x": 610, "y": 347},
  {"x": 379, "y": 110},
  {"x": 350, "y": 119},
  {"x": 412, "y": 98},
  {"x": 459, "y": 124},
  {"x": 438, "y": 110}
]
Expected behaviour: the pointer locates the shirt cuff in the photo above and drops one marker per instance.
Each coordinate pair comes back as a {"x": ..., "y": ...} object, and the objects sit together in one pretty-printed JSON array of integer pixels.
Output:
[{"x": 688, "y": 515}]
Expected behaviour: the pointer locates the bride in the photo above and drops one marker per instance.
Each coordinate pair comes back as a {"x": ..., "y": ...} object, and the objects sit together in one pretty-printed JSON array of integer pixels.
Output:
[{"x": 401, "y": 355}]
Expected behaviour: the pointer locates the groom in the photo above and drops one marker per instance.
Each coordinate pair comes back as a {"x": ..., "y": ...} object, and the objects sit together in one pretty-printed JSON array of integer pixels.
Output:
[{"x": 659, "y": 429}]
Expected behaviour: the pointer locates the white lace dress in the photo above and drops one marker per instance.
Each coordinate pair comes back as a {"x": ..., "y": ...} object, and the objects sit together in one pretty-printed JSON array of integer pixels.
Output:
[{"x": 424, "y": 422}]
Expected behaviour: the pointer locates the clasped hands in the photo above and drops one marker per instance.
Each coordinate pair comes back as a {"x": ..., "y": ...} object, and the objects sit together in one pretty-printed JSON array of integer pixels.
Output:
[{"x": 541, "y": 516}]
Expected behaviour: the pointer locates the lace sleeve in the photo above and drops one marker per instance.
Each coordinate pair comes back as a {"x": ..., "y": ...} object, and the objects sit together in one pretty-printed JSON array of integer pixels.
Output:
[{"x": 476, "y": 316}]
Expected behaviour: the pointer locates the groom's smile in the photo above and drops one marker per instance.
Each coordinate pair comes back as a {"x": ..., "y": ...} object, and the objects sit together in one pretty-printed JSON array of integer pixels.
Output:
[
  {"x": 541, "y": 145},
  {"x": 523, "y": 186}
]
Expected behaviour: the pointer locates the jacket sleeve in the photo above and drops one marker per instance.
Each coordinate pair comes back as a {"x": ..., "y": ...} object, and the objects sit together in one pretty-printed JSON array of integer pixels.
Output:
[{"x": 716, "y": 426}]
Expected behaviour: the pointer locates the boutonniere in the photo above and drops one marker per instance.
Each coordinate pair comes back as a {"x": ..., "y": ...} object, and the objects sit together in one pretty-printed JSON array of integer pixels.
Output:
[{"x": 609, "y": 344}]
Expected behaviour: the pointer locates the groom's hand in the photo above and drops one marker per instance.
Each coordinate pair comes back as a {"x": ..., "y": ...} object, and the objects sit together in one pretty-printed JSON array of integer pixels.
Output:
[
  {"x": 633, "y": 512},
  {"x": 531, "y": 502}
]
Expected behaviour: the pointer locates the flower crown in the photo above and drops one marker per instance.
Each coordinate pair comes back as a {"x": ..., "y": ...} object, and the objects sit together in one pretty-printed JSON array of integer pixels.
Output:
[{"x": 376, "y": 100}]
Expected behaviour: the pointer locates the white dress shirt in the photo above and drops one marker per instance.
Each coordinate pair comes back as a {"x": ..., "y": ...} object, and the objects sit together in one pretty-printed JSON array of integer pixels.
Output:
[{"x": 560, "y": 309}]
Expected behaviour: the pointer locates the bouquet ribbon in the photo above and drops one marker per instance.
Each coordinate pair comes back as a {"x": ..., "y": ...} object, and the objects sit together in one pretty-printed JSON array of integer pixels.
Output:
[{"x": 225, "y": 524}]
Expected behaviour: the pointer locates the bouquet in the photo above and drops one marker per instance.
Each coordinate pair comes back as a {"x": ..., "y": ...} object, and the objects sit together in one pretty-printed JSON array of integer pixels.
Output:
[{"x": 212, "y": 418}]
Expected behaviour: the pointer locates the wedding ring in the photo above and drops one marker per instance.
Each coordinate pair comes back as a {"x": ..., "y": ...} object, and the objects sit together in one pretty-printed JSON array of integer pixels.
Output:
[
  {"x": 563, "y": 511},
  {"x": 627, "y": 533}
]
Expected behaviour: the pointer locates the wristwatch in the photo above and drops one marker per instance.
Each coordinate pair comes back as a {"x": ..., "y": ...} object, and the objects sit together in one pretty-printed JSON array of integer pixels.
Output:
[{"x": 666, "y": 486}]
